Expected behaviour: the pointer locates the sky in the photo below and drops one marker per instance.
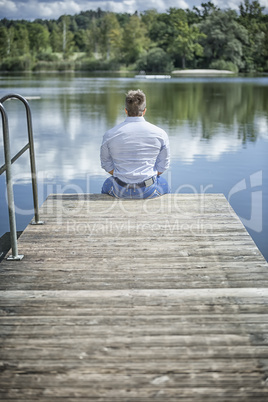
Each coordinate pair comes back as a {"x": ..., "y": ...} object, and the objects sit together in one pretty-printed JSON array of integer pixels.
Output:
[{"x": 51, "y": 9}]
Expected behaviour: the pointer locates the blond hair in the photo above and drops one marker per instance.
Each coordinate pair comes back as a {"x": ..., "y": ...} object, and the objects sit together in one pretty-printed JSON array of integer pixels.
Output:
[{"x": 135, "y": 102}]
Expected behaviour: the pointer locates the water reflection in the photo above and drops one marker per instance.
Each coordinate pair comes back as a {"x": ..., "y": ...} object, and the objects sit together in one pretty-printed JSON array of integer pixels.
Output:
[
  {"x": 201, "y": 117},
  {"x": 213, "y": 106},
  {"x": 218, "y": 129}
]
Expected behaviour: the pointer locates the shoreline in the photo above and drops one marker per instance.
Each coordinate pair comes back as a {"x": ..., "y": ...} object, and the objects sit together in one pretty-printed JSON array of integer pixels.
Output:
[{"x": 202, "y": 72}]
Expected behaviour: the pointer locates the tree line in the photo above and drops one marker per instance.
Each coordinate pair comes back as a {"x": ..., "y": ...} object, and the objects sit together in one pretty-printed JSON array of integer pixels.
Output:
[{"x": 205, "y": 37}]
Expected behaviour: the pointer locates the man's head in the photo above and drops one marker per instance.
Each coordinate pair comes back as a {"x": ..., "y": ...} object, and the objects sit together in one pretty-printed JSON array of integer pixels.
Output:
[{"x": 135, "y": 103}]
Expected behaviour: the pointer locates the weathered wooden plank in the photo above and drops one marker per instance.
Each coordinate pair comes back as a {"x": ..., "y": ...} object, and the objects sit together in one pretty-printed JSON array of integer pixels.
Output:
[
  {"x": 123, "y": 300},
  {"x": 95, "y": 381},
  {"x": 151, "y": 393},
  {"x": 105, "y": 333},
  {"x": 65, "y": 308},
  {"x": 158, "y": 315},
  {"x": 85, "y": 366},
  {"x": 106, "y": 285},
  {"x": 144, "y": 296}
]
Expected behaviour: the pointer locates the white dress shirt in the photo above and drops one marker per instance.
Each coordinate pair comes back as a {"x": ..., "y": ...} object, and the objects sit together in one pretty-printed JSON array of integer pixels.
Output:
[{"x": 135, "y": 149}]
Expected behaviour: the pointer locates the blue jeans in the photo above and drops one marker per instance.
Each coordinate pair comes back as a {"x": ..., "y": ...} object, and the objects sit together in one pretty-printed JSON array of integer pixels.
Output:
[{"x": 159, "y": 187}]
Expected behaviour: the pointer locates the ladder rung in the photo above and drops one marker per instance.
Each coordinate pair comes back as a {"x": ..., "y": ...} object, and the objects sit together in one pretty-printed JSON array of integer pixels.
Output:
[{"x": 3, "y": 168}]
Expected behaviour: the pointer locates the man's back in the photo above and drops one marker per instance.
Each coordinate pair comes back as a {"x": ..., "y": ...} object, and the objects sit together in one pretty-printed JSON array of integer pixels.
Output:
[
  {"x": 137, "y": 148},
  {"x": 135, "y": 153}
]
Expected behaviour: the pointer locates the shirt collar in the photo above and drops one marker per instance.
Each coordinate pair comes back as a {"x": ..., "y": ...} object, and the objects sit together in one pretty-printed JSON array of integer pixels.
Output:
[{"x": 134, "y": 118}]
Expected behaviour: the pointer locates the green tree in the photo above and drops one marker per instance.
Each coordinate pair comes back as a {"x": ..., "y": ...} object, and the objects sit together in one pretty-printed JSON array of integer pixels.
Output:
[
  {"x": 160, "y": 31},
  {"x": 38, "y": 37},
  {"x": 81, "y": 40},
  {"x": 224, "y": 39},
  {"x": 56, "y": 37},
  {"x": 172, "y": 32},
  {"x": 163, "y": 31},
  {"x": 205, "y": 10},
  {"x": 115, "y": 39},
  {"x": 155, "y": 61},
  {"x": 149, "y": 18},
  {"x": 110, "y": 36},
  {"x": 4, "y": 42},
  {"x": 256, "y": 23},
  {"x": 135, "y": 39},
  {"x": 185, "y": 41},
  {"x": 204, "y": 36},
  {"x": 94, "y": 37},
  {"x": 19, "y": 43},
  {"x": 66, "y": 35}
]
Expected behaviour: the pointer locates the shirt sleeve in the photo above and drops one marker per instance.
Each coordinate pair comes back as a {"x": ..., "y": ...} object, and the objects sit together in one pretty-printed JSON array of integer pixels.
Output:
[
  {"x": 163, "y": 158},
  {"x": 105, "y": 157}
]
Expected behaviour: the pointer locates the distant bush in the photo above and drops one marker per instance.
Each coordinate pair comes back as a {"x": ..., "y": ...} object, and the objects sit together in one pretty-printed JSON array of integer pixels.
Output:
[
  {"x": 65, "y": 65},
  {"x": 19, "y": 63},
  {"x": 45, "y": 66},
  {"x": 47, "y": 56},
  {"x": 155, "y": 61},
  {"x": 54, "y": 66},
  {"x": 96, "y": 65},
  {"x": 51, "y": 62},
  {"x": 224, "y": 65}
]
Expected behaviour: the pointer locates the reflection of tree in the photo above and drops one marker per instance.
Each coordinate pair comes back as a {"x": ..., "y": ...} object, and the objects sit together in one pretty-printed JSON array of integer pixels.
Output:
[
  {"x": 213, "y": 104},
  {"x": 74, "y": 112},
  {"x": 96, "y": 100},
  {"x": 209, "y": 106},
  {"x": 247, "y": 132}
]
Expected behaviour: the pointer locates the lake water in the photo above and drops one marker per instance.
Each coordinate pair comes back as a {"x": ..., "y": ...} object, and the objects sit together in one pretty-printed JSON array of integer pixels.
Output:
[{"x": 218, "y": 129}]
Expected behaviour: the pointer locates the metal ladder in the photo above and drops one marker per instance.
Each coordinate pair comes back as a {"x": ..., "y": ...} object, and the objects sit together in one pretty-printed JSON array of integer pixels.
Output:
[{"x": 7, "y": 168}]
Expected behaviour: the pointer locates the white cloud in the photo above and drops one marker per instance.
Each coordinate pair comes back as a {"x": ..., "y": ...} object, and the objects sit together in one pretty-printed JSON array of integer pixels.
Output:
[
  {"x": 49, "y": 10},
  {"x": 189, "y": 147},
  {"x": 7, "y": 7},
  {"x": 31, "y": 9},
  {"x": 261, "y": 123}
]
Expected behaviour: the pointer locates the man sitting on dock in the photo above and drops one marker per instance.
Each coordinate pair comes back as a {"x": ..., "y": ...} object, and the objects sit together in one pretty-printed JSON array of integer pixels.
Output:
[{"x": 135, "y": 153}]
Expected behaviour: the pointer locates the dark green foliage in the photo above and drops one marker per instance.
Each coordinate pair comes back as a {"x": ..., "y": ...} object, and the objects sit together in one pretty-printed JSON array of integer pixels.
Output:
[
  {"x": 204, "y": 37},
  {"x": 224, "y": 39},
  {"x": 224, "y": 65},
  {"x": 47, "y": 56},
  {"x": 255, "y": 53},
  {"x": 155, "y": 61},
  {"x": 19, "y": 63},
  {"x": 97, "y": 65}
]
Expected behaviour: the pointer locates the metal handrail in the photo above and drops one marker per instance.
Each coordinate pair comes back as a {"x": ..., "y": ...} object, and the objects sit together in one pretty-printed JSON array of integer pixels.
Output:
[{"x": 7, "y": 167}]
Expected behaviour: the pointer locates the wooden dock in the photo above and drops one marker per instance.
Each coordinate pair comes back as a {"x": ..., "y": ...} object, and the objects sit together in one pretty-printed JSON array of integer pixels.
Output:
[{"x": 123, "y": 300}]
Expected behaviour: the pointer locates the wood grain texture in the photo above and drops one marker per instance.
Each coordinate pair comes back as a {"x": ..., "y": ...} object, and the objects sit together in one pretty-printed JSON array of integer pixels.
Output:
[{"x": 123, "y": 300}]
